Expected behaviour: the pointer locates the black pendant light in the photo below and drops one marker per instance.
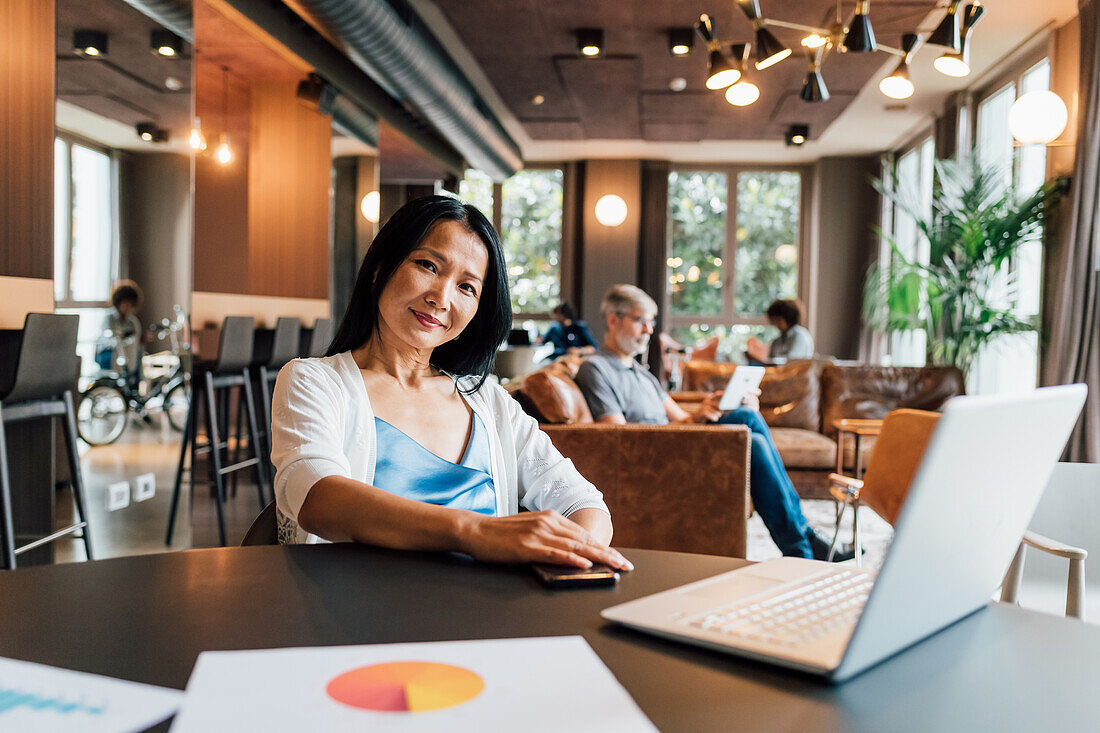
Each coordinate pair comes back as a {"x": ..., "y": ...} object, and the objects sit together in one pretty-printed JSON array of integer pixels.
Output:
[
  {"x": 769, "y": 49},
  {"x": 947, "y": 32},
  {"x": 861, "y": 37},
  {"x": 720, "y": 72},
  {"x": 814, "y": 89}
]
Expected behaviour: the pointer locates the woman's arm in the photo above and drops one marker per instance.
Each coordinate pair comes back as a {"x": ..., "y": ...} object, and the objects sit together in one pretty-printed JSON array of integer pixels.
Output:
[{"x": 338, "y": 508}]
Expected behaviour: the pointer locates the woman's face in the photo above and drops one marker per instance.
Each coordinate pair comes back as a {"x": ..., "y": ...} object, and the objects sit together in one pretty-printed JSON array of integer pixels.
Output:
[{"x": 434, "y": 293}]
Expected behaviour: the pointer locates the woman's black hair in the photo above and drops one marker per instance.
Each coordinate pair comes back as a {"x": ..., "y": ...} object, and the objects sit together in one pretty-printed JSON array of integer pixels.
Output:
[
  {"x": 473, "y": 351},
  {"x": 789, "y": 310}
]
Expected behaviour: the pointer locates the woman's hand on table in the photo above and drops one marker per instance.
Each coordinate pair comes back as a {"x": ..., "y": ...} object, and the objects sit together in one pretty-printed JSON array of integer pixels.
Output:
[{"x": 544, "y": 536}]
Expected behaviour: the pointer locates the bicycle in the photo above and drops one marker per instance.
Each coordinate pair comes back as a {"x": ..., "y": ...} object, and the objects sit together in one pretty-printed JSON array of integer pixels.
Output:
[{"x": 115, "y": 395}]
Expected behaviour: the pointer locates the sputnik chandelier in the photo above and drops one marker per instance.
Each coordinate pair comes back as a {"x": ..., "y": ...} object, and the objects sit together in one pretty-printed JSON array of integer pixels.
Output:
[{"x": 728, "y": 62}]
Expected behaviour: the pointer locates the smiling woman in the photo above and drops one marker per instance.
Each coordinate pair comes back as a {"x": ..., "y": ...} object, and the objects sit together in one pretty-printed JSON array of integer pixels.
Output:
[{"x": 394, "y": 438}]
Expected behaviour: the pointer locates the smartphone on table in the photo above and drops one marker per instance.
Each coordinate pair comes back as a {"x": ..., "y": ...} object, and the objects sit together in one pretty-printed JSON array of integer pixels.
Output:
[{"x": 566, "y": 576}]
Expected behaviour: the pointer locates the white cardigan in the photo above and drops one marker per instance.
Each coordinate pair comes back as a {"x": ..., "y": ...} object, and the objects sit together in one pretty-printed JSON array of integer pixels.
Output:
[{"x": 322, "y": 425}]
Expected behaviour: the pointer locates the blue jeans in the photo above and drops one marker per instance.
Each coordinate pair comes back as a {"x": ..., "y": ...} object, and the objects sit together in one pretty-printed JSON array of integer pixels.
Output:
[{"x": 770, "y": 487}]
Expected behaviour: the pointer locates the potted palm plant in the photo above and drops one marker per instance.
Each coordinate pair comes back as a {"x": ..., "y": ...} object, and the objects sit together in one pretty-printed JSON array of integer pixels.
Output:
[{"x": 962, "y": 297}]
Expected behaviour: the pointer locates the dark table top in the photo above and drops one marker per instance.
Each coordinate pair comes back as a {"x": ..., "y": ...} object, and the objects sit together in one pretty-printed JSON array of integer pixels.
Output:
[{"x": 147, "y": 618}]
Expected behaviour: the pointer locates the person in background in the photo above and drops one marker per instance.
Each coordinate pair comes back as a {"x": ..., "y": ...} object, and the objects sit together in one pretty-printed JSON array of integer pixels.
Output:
[
  {"x": 396, "y": 439},
  {"x": 569, "y": 336},
  {"x": 125, "y": 327},
  {"x": 619, "y": 390},
  {"x": 793, "y": 342}
]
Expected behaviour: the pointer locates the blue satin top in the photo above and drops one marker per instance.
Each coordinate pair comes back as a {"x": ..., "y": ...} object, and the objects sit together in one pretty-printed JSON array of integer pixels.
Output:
[{"x": 408, "y": 469}]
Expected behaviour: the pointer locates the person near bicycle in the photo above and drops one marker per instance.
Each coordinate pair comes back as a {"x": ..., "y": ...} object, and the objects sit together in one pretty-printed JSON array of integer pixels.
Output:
[{"x": 125, "y": 326}]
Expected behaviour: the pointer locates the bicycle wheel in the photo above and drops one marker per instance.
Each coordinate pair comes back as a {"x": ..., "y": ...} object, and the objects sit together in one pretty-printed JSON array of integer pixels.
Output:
[
  {"x": 175, "y": 405},
  {"x": 101, "y": 415}
]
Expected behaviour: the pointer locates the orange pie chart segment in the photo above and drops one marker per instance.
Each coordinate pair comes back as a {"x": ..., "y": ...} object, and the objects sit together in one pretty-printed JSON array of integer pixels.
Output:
[{"x": 409, "y": 687}]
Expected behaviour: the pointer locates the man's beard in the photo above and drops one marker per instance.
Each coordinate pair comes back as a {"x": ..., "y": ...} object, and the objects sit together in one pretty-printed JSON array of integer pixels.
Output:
[{"x": 634, "y": 345}]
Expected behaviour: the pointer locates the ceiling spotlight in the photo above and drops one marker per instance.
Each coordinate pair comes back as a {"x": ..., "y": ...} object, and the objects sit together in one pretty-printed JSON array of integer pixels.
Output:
[
  {"x": 797, "y": 135},
  {"x": 90, "y": 43},
  {"x": 814, "y": 89},
  {"x": 538, "y": 99},
  {"x": 166, "y": 43},
  {"x": 173, "y": 83},
  {"x": 680, "y": 41},
  {"x": 145, "y": 131},
  {"x": 769, "y": 50},
  {"x": 317, "y": 94},
  {"x": 590, "y": 41},
  {"x": 957, "y": 63},
  {"x": 898, "y": 85},
  {"x": 947, "y": 32},
  {"x": 861, "y": 37},
  {"x": 677, "y": 84}
]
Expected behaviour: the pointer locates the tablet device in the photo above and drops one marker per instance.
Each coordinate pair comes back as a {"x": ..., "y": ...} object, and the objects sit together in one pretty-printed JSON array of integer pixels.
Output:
[{"x": 743, "y": 380}]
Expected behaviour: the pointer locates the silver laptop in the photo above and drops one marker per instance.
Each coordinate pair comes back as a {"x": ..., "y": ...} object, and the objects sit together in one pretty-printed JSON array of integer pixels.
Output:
[{"x": 977, "y": 486}]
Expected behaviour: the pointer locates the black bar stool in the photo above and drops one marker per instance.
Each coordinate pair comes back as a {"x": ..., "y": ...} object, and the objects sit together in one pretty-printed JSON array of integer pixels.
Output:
[
  {"x": 284, "y": 347},
  {"x": 41, "y": 387},
  {"x": 209, "y": 382},
  {"x": 319, "y": 338}
]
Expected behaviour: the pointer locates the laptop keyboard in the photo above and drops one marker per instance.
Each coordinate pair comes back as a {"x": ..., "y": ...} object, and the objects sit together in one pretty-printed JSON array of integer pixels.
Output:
[{"x": 792, "y": 617}]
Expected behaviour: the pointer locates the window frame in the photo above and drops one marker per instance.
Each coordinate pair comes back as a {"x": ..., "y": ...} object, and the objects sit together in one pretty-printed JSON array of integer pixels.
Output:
[
  {"x": 565, "y": 248},
  {"x": 69, "y": 140},
  {"x": 729, "y": 315}
]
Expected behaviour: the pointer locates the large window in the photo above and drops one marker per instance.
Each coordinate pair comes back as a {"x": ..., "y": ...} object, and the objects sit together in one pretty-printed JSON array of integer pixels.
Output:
[
  {"x": 85, "y": 238},
  {"x": 528, "y": 211},
  {"x": 912, "y": 180},
  {"x": 734, "y": 245},
  {"x": 1010, "y": 363}
]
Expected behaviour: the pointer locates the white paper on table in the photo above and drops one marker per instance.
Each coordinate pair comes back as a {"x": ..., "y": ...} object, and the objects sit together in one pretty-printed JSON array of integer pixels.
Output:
[
  {"x": 43, "y": 699},
  {"x": 550, "y": 684}
]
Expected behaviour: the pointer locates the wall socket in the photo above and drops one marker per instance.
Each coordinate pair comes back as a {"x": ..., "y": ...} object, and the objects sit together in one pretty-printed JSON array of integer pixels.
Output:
[
  {"x": 118, "y": 496},
  {"x": 145, "y": 486}
]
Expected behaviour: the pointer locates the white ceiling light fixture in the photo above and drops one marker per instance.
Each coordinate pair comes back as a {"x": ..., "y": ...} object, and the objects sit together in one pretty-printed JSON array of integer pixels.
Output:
[
  {"x": 1038, "y": 118},
  {"x": 611, "y": 210}
]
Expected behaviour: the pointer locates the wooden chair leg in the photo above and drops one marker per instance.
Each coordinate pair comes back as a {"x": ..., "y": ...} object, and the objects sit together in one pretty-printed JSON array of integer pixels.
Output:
[
  {"x": 7, "y": 531},
  {"x": 75, "y": 474},
  {"x": 1075, "y": 589},
  {"x": 1010, "y": 588}
]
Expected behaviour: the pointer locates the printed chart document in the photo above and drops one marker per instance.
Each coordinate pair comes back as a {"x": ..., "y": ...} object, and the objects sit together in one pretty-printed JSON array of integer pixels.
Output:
[
  {"x": 34, "y": 697},
  {"x": 543, "y": 684}
]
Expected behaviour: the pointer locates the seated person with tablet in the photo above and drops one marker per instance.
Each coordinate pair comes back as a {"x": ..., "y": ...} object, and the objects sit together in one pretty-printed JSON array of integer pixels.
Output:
[{"x": 620, "y": 390}]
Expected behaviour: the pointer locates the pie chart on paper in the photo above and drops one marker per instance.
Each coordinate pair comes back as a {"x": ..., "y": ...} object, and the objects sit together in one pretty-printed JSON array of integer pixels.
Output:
[{"x": 406, "y": 687}]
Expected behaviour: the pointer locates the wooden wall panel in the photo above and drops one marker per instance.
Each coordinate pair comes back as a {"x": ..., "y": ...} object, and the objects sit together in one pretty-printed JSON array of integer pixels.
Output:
[
  {"x": 288, "y": 195},
  {"x": 26, "y": 137},
  {"x": 221, "y": 191},
  {"x": 610, "y": 253}
]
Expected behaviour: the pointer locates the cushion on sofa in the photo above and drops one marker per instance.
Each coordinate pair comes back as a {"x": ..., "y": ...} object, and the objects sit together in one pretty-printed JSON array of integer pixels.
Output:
[
  {"x": 790, "y": 395},
  {"x": 801, "y": 448},
  {"x": 551, "y": 395},
  {"x": 872, "y": 391}
]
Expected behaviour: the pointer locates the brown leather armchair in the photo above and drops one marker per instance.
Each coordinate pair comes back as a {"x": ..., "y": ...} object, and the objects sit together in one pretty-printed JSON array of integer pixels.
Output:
[{"x": 669, "y": 487}]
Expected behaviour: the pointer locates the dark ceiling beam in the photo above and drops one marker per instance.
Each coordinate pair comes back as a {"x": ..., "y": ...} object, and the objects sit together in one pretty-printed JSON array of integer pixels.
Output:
[
  {"x": 287, "y": 27},
  {"x": 393, "y": 44},
  {"x": 175, "y": 15}
]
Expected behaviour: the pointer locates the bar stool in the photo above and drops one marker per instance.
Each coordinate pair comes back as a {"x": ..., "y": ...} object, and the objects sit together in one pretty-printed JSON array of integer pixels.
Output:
[
  {"x": 41, "y": 387},
  {"x": 284, "y": 347},
  {"x": 320, "y": 337},
  {"x": 217, "y": 379}
]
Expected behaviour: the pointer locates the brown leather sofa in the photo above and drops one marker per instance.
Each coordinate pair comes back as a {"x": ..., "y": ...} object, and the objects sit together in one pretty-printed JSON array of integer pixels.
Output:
[
  {"x": 669, "y": 487},
  {"x": 801, "y": 400}
]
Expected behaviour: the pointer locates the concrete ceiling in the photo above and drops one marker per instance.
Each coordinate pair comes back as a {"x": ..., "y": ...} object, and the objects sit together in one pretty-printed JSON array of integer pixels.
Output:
[{"x": 621, "y": 105}]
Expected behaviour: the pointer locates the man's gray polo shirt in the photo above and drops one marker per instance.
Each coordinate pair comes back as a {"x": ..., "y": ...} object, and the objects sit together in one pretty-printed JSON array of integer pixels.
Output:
[{"x": 613, "y": 388}]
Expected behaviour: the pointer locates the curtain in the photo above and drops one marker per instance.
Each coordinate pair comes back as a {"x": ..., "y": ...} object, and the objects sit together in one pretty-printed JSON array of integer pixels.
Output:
[{"x": 1073, "y": 354}]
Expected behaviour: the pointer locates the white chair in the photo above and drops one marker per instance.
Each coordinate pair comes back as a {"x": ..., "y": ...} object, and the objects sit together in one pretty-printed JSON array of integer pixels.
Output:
[{"x": 1068, "y": 510}]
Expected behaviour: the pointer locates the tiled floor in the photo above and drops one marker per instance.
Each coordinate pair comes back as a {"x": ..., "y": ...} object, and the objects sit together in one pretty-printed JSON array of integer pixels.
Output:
[{"x": 140, "y": 527}]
